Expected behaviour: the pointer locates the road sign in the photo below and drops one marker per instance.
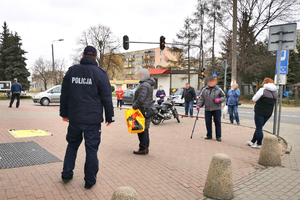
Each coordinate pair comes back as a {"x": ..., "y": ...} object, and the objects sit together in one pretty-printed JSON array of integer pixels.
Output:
[
  {"x": 36, "y": 84},
  {"x": 288, "y": 37},
  {"x": 284, "y": 62},
  {"x": 215, "y": 74},
  {"x": 224, "y": 64},
  {"x": 5, "y": 85},
  {"x": 282, "y": 79}
]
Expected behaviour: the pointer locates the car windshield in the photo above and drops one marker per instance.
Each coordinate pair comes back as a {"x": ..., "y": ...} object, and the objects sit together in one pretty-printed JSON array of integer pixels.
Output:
[
  {"x": 178, "y": 92},
  {"x": 197, "y": 92}
]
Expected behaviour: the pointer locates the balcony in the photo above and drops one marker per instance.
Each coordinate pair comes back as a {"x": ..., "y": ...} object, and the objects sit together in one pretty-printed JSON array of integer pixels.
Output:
[{"x": 148, "y": 56}]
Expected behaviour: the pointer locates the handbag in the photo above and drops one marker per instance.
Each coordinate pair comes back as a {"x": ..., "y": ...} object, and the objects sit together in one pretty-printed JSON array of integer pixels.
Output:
[
  {"x": 238, "y": 102},
  {"x": 150, "y": 111}
]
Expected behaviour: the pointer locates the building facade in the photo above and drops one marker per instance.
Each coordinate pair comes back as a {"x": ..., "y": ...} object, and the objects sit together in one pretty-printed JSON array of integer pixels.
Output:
[{"x": 149, "y": 58}]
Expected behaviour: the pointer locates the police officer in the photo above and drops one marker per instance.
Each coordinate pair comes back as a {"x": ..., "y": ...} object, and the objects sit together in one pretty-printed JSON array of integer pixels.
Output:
[{"x": 85, "y": 91}]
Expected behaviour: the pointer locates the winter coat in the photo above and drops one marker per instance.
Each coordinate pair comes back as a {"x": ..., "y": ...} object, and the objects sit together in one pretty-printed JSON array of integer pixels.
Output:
[
  {"x": 189, "y": 94},
  {"x": 233, "y": 97},
  {"x": 158, "y": 94},
  {"x": 119, "y": 94},
  {"x": 143, "y": 97},
  {"x": 86, "y": 90},
  {"x": 265, "y": 99},
  {"x": 207, "y": 97},
  {"x": 16, "y": 88}
]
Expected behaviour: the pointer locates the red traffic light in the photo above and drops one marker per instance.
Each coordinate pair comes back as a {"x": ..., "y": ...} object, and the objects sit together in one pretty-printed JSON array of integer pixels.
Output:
[
  {"x": 203, "y": 73},
  {"x": 162, "y": 42}
]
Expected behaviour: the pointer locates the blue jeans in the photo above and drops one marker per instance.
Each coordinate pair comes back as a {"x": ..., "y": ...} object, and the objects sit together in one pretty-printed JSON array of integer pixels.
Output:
[
  {"x": 144, "y": 139},
  {"x": 92, "y": 137},
  {"x": 189, "y": 106},
  {"x": 259, "y": 123},
  {"x": 231, "y": 110},
  {"x": 208, "y": 121}
]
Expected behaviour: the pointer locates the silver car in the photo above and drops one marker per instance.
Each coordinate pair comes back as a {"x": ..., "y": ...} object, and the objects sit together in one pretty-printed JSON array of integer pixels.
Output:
[{"x": 51, "y": 95}]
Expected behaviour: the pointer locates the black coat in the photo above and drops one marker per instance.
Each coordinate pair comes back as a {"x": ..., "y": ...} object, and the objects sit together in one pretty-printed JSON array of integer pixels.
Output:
[
  {"x": 85, "y": 91},
  {"x": 189, "y": 94},
  {"x": 143, "y": 97}
]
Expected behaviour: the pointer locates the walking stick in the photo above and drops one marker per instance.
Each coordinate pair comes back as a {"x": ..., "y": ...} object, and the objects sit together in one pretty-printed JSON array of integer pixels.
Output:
[{"x": 195, "y": 124}]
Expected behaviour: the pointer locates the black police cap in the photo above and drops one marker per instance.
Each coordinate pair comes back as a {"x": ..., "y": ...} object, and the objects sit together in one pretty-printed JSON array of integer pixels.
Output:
[{"x": 89, "y": 50}]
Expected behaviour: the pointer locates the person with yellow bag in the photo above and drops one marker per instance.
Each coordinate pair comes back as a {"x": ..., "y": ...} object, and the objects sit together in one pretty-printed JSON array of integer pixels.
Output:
[{"x": 143, "y": 98}]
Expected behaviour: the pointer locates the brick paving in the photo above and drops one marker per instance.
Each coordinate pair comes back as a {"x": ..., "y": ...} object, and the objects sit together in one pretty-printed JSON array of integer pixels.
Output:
[
  {"x": 275, "y": 182},
  {"x": 175, "y": 168}
]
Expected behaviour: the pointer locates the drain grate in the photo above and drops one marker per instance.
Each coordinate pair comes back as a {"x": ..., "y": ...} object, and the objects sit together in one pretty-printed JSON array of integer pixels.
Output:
[{"x": 20, "y": 154}]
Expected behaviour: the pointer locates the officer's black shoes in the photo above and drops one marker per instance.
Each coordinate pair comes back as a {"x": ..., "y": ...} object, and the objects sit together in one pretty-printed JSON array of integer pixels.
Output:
[
  {"x": 219, "y": 139},
  {"x": 66, "y": 179},
  {"x": 142, "y": 152},
  {"x": 208, "y": 138},
  {"x": 9, "y": 106},
  {"x": 86, "y": 186}
]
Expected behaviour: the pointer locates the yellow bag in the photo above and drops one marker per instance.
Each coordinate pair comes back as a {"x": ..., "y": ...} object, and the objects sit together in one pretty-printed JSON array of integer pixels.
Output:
[{"x": 135, "y": 121}]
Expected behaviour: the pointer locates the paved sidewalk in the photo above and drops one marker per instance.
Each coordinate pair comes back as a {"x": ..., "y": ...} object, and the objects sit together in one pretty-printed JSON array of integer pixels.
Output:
[
  {"x": 275, "y": 182},
  {"x": 176, "y": 167}
]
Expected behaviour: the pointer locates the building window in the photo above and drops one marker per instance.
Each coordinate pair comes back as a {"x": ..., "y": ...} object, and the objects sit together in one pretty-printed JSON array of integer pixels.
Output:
[
  {"x": 161, "y": 60},
  {"x": 161, "y": 52}
]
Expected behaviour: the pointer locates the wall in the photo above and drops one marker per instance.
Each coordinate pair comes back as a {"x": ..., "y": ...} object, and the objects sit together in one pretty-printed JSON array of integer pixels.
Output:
[
  {"x": 179, "y": 81},
  {"x": 163, "y": 80},
  {"x": 165, "y": 53}
]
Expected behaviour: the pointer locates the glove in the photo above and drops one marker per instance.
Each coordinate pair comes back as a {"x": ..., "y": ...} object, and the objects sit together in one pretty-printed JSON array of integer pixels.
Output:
[
  {"x": 198, "y": 109},
  {"x": 217, "y": 100}
]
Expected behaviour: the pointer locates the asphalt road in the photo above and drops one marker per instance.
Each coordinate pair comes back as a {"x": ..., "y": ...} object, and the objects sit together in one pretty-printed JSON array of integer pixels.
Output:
[{"x": 244, "y": 113}]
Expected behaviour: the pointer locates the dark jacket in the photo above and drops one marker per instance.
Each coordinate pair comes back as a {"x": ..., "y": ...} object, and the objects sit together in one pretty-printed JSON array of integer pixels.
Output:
[
  {"x": 207, "y": 97},
  {"x": 16, "y": 88},
  {"x": 85, "y": 91},
  {"x": 143, "y": 97},
  {"x": 189, "y": 94},
  {"x": 233, "y": 97},
  {"x": 158, "y": 94},
  {"x": 265, "y": 99}
]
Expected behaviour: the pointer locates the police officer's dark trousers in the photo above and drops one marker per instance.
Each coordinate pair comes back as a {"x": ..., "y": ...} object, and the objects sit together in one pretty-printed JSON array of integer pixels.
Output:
[{"x": 92, "y": 137}]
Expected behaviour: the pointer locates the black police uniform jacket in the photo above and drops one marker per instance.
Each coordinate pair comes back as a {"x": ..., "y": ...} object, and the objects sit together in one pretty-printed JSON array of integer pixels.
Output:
[{"x": 85, "y": 91}]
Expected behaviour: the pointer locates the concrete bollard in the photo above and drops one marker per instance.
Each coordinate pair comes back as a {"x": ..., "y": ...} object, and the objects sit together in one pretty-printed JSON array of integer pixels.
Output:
[
  {"x": 270, "y": 151},
  {"x": 219, "y": 183},
  {"x": 125, "y": 193}
]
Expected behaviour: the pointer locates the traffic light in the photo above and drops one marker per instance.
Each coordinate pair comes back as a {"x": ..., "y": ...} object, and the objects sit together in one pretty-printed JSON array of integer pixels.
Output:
[
  {"x": 162, "y": 42},
  {"x": 202, "y": 73},
  {"x": 125, "y": 42}
]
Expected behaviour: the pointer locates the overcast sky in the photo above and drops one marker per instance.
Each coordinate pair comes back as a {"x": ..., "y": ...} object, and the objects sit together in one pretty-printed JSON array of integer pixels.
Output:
[{"x": 39, "y": 22}]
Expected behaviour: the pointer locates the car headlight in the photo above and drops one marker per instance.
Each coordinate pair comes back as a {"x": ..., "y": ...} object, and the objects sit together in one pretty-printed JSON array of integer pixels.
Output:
[{"x": 37, "y": 96}]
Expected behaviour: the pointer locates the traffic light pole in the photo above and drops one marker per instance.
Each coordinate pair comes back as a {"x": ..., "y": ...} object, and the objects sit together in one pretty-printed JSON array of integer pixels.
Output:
[{"x": 192, "y": 45}]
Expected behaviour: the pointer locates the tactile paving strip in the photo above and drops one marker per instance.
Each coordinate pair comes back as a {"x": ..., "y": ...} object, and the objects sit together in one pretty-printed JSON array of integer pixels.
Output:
[{"x": 19, "y": 154}]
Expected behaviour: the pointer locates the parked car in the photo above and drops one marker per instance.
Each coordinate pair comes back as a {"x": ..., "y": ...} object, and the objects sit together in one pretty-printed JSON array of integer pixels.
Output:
[
  {"x": 128, "y": 96},
  {"x": 51, "y": 95},
  {"x": 176, "y": 96}
]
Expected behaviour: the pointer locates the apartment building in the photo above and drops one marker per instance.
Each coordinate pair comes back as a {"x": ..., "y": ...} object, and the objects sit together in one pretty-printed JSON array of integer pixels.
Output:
[{"x": 149, "y": 58}]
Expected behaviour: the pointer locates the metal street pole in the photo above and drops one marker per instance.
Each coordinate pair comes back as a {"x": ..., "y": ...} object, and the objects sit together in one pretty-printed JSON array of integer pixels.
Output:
[
  {"x": 234, "y": 38},
  {"x": 278, "y": 78},
  {"x": 53, "y": 67},
  {"x": 225, "y": 76},
  {"x": 279, "y": 114},
  {"x": 53, "y": 64}
]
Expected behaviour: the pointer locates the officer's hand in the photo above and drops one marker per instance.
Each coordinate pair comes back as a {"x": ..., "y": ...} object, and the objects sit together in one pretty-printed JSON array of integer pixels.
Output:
[
  {"x": 65, "y": 119},
  {"x": 108, "y": 123}
]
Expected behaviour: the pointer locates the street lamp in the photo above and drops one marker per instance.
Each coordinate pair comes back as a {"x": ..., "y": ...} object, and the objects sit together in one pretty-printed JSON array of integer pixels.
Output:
[{"x": 53, "y": 64}]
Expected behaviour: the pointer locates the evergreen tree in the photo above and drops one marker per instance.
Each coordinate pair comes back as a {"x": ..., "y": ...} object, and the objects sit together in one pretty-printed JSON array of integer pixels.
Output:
[
  {"x": 16, "y": 66},
  {"x": 4, "y": 45},
  {"x": 294, "y": 66},
  {"x": 186, "y": 36},
  {"x": 12, "y": 60}
]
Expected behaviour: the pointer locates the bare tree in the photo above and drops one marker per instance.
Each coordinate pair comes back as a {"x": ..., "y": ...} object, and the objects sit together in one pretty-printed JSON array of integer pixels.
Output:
[
  {"x": 102, "y": 38},
  {"x": 42, "y": 70},
  {"x": 60, "y": 70}
]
